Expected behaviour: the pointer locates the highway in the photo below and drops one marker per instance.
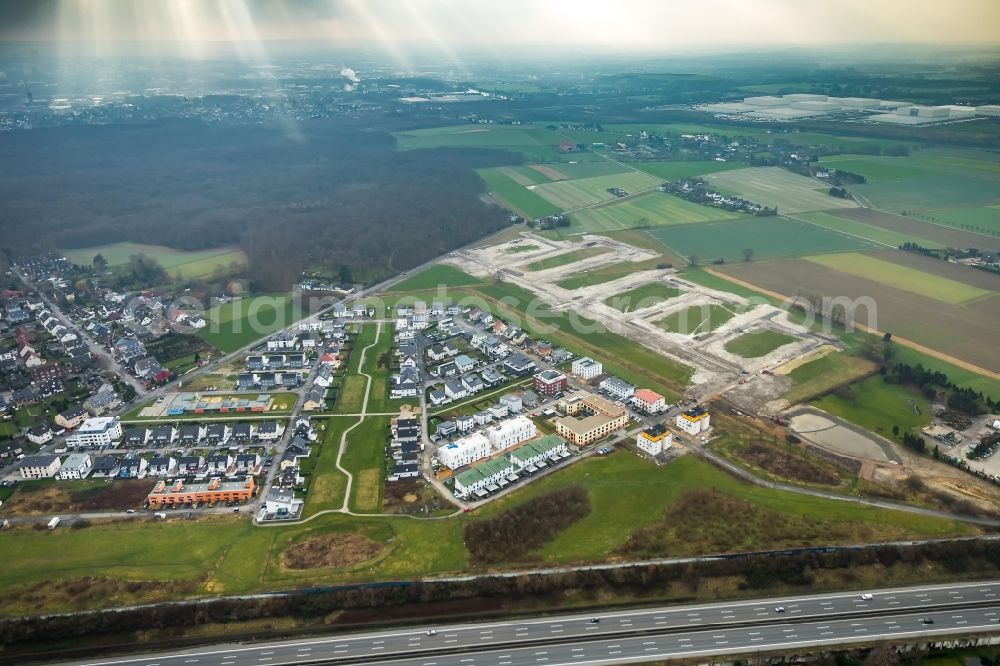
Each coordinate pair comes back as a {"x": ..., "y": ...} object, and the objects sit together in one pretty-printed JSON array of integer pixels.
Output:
[{"x": 630, "y": 635}]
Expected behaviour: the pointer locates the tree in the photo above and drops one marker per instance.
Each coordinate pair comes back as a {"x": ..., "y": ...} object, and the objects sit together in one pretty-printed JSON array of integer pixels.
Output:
[
  {"x": 345, "y": 274},
  {"x": 895, "y": 431},
  {"x": 384, "y": 360},
  {"x": 748, "y": 254},
  {"x": 99, "y": 262},
  {"x": 693, "y": 259},
  {"x": 197, "y": 358}
]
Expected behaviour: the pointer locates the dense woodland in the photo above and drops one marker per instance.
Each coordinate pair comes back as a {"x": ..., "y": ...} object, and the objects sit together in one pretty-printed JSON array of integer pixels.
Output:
[{"x": 319, "y": 195}]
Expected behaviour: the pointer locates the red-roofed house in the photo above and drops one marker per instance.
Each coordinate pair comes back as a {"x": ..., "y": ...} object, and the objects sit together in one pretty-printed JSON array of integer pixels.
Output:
[{"x": 649, "y": 401}]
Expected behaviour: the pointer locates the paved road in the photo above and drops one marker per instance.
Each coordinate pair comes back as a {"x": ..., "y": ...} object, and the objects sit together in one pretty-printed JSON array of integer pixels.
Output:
[{"x": 631, "y": 635}]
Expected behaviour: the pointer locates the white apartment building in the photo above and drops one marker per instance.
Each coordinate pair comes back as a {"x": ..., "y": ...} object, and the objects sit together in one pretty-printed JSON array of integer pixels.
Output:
[
  {"x": 100, "y": 432},
  {"x": 510, "y": 432},
  {"x": 587, "y": 368},
  {"x": 39, "y": 467},
  {"x": 464, "y": 451},
  {"x": 654, "y": 440},
  {"x": 76, "y": 466},
  {"x": 694, "y": 421},
  {"x": 617, "y": 388}
]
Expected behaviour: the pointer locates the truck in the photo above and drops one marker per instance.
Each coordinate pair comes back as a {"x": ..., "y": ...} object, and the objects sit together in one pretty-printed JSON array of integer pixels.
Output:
[{"x": 54, "y": 522}]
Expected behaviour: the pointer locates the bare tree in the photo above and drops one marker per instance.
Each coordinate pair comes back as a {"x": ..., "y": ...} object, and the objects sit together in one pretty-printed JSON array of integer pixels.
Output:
[{"x": 748, "y": 254}]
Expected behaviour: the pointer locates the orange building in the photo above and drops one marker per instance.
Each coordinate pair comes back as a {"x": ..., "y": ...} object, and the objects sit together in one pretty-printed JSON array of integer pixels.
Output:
[{"x": 216, "y": 490}]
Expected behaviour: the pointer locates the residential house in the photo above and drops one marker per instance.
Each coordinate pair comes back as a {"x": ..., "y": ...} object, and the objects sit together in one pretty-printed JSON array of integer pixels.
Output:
[
  {"x": 164, "y": 435},
  {"x": 406, "y": 384},
  {"x": 39, "y": 466},
  {"x": 269, "y": 431},
  {"x": 72, "y": 417},
  {"x": 512, "y": 402},
  {"x": 133, "y": 468},
  {"x": 484, "y": 477},
  {"x": 241, "y": 433},
  {"x": 315, "y": 399},
  {"x": 98, "y": 432},
  {"x": 281, "y": 502},
  {"x": 464, "y": 363},
  {"x": 136, "y": 437},
  {"x": 617, "y": 388},
  {"x": 218, "y": 463},
  {"x": 473, "y": 384},
  {"x": 247, "y": 463},
  {"x": 654, "y": 440},
  {"x": 519, "y": 365},
  {"x": 189, "y": 435},
  {"x": 40, "y": 434},
  {"x": 190, "y": 465},
  {"x": 100, "y": 402},
  {"x": 464, "y": 451},
  {"x": 454, "y": 389},
  {"x": 649, "y": 401},
  {"x": 465, "y": 423},
  {"x": 217, "y": 433},
  {"x": 105, "y": 466},
  {"x": 75, "y": 466},
  {"x": 162, "y": 466},
  {"x": 587, "y": 368},
  {"x": 550, "y": 382},
  {"x": 694, "y": 421}
]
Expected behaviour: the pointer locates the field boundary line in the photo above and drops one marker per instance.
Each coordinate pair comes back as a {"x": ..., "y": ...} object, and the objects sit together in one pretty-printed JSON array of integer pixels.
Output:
[
  {"x": 845, "y": 233},
  {"x": 941, "y": 356}
]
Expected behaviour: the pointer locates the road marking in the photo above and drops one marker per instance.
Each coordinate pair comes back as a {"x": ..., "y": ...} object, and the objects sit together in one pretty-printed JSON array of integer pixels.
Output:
[
  {"x": 554, "y": 631},
  {"x": 650, "y": 643},
  {"x": 503, "y": 663},
  {"x": 653, "y": 649},
  {"x": 263, "y": 659},
  {"x": 452, "y": 640},
  {"x": 660, "y": 622},
  {"x": 722, "y": 642},
  {"x": 464, "y": 661},
  {"x": 377, "y": 642},
  {"x": 305, "y": 649},
  {"x": 615, "y": 652},
  {"x": 825, "y": 633},
  {"x": 693, "y": 614},
  {"x": 860, "y": 630},
  {"x": 756, "y": 638},
  {"x": 267, "y": 653},
  {"x": 378, "y": 647},
  {"x": 339, "y": 651},
  {"x": 190, "y": 661}
]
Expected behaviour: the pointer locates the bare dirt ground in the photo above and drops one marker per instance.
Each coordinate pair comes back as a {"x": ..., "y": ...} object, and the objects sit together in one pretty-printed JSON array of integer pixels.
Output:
[
  {"x": 834, "y": 434},
  {"x": 338, "y": 549},
  {"x": 62, "y": 498}
]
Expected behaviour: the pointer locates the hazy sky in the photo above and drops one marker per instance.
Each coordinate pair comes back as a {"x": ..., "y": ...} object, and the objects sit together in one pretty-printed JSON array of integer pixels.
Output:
[{"x": 651, "y": 25}]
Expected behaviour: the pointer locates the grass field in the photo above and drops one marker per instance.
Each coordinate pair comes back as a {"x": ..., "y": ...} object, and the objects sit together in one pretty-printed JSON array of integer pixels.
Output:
[
  {"x": 902, "y": 277},
  {"x": 188, "y": 263},
  {"x": 572, "y": 194},
  {"x": 925, "y": 179},
  {"x": 645, "y": 296},
  {"x": 239, "y": 322},
  {"x": 228, "y": 555},
  {"x": 515, "y": 196},
  {"x": 878, "y": 406},
  {"x": 566, "y": 258},
  {"x": 695, "y": 319},
  {"x": 766, "y": 236},
  {"x": 649, "y": 210},
  {"x": 866, "y": 231},
  {"x": 525, "y": 175},
  {"x": 920, "y": 228},
  {"x": 590, "y": 278},
  {"x": 364, "y": 458},
  {"x": 825, "y": 374},
  {"x": 328, "y": 484},
  {"x": 774, "y": 186},
  {"x": 435, "y": 276},
  {"x": 585, "y": 169},
  {"x": 758, "y": 343}
]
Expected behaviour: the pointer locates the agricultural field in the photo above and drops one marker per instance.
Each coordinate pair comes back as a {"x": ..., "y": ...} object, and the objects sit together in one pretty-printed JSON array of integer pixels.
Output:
[
  {"x": 685, "y": 169},
  {"x": 774, "y": 186},
  {"x": 928, "y": 179},
  {"x": 925, "y": 321},
  {"x": 868, "y": 232},
  {"x": 902, "y": 277},
  {"x": 696, "y": 319},
  {"x": 758, "y": 343},
  {"x": 984, "y": 220},
  {"x": 648, "y": 210},
  {"x": 534, "y": 143},
  {"x": 926, "y": 232},
  {"x": 765, "y": 236},
  {"x": 240, "y": 322},
  {"x": 525, "y": 175},
  {"x": 435, "y": 276},
  {"x": 567, "y": 258},
  {"x": 822, "y": 375},
  {"x": 515, "y": 196},
  {"x": 645, "y": 296},
  {"x": 575, "y": 170},
  {"x": 573, "y": 194},
  {"x": 189, "y": 264}
]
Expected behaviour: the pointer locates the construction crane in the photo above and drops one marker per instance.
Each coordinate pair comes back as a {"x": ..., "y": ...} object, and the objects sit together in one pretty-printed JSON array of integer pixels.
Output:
[{"x": 27, "y": 92}]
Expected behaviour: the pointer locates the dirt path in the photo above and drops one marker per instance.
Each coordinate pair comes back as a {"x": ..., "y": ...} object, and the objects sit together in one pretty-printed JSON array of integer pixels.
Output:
[{"x": 903, "y": 341}]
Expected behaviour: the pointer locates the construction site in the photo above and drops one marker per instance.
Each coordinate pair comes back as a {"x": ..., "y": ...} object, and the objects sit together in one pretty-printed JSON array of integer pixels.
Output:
[{"x": 684, "y": 321}]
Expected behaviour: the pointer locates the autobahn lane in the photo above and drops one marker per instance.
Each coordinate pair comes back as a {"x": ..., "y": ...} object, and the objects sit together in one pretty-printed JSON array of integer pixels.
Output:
[{"x": 958, "y": 607}]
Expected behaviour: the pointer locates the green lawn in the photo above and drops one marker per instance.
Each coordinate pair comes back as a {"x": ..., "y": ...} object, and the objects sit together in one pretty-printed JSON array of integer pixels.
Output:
[
  {"x": 712, "y": 281},
  {"x": 535, "y": 143},
  {"x": 696, "y": 319},
  {"x": 645, "y": 296},
  {"x": 516, "y": 196},
  {"x": 958, "y": 376},
  {"x": 566, "y": 258},
  {"x": 758, "y": 343},
  {"x": 765, "y": 236},
  {"x": 590, "y": 278},
  {"x": 434, "y": 277},
  {"x": 878, "y": 406},
  {"x": 189, "y": 263},
  {"x": 656, "y": 209},
  {"x": 865, "y": 231},
  {"x": 328, "y": 484},
  {"x": 242, "y": 321},
  {"x": 902, "y": 277}
]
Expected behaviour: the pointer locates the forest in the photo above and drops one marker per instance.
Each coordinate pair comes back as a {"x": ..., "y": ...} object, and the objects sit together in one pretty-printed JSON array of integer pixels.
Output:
[{"x": 316, "y": 196}]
